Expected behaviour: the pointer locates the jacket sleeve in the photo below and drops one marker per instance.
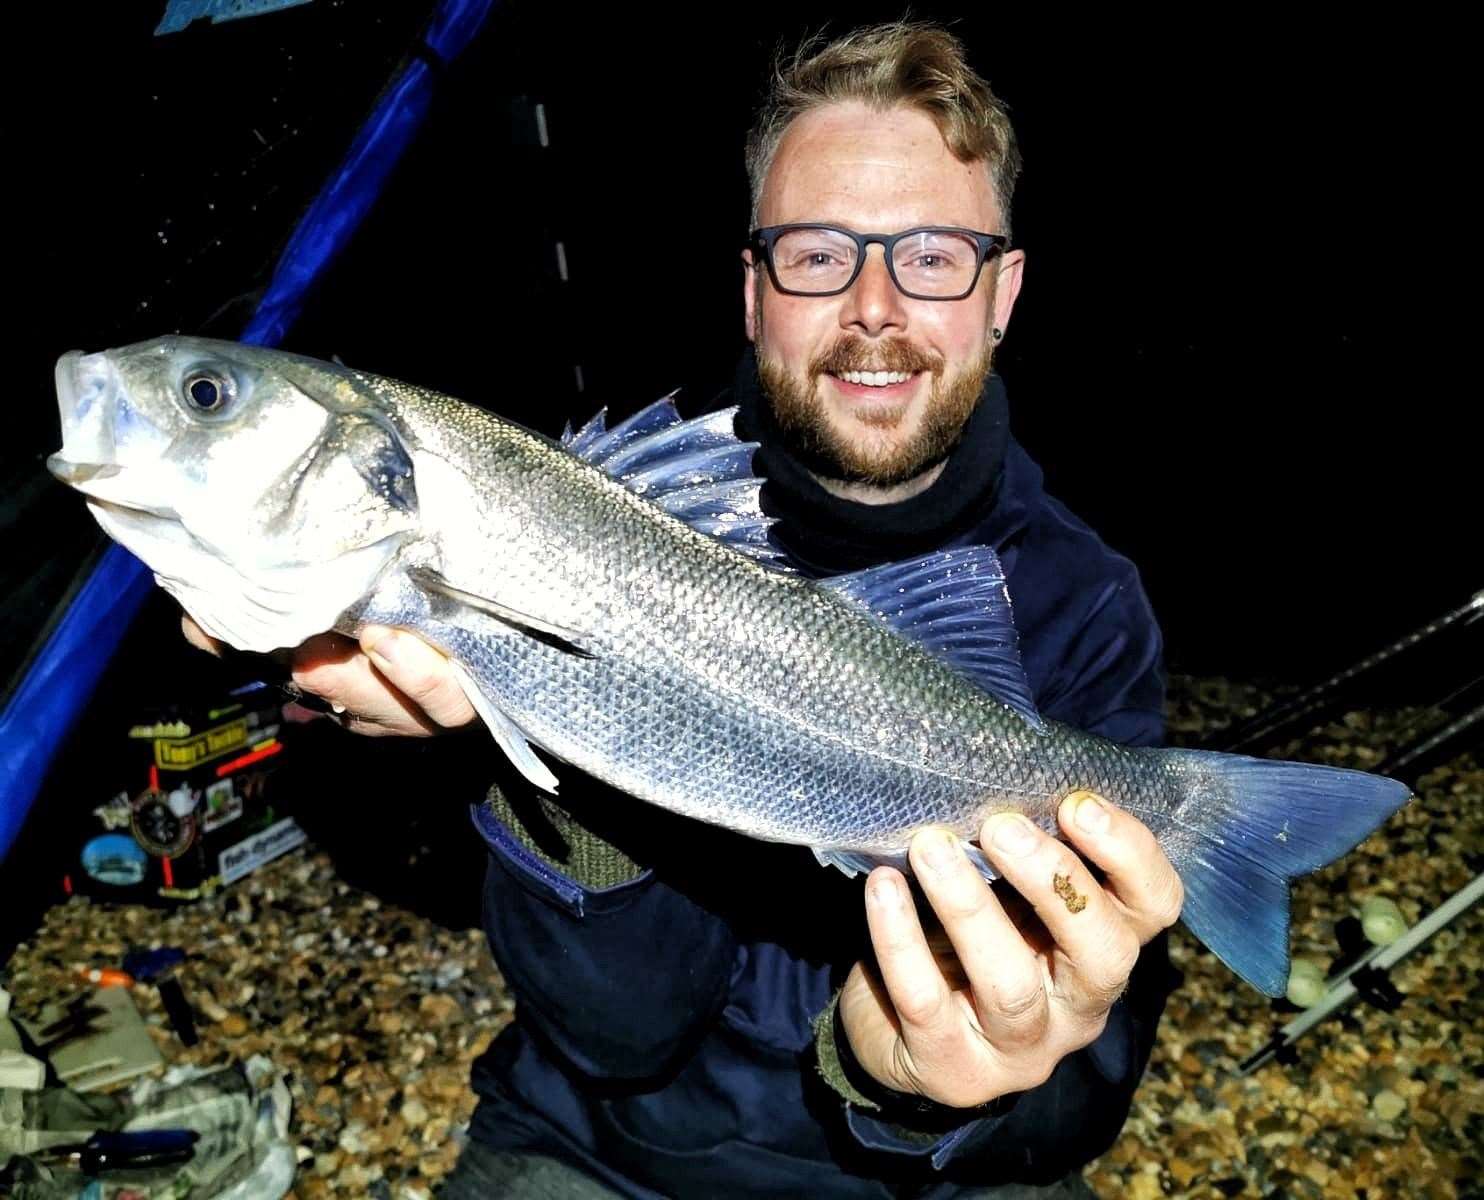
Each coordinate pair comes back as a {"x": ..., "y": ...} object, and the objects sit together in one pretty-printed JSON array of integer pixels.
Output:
[
  {"x": 1108, "y": 679},
  {"x": 563, "y": 911}
]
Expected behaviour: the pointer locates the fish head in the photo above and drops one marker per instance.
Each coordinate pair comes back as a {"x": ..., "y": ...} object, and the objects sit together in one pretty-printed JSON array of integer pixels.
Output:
[{"x": 266, "y": 491}]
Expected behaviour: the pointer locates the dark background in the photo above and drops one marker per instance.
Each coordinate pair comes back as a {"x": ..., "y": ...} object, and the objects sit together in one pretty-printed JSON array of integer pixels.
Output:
[
  {"x": 1241, "y": 352},
  {"x": 1230, "y": 353}
]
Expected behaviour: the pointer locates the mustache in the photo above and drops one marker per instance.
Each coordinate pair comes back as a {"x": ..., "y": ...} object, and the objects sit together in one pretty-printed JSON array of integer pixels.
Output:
[{"x": 853, "y": 353}]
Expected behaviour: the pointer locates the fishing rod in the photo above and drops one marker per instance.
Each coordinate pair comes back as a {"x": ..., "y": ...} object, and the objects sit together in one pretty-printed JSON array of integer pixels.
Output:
[
  {"x": 1310, "y": 704},
  {"x": 1366, "y": 979},
  {"x": 1418, "y": 758},
  {"x": 1365, "y": 975}
]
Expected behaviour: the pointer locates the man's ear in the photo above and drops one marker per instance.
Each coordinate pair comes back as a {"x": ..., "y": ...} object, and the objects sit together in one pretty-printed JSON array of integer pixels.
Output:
[
  {"x": 1010, "y": 268},
  {"x": 749, "y": 295}
]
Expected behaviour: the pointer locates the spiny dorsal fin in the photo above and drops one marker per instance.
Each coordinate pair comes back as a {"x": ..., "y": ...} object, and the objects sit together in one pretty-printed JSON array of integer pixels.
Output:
[
  {"x": 596, "y": 443},
  {"x": 953, "y": 603},
  {"x": 696, "y": 470}
]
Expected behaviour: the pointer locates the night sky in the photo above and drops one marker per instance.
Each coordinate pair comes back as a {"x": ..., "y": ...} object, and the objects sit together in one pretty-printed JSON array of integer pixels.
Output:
[{"x": 1230, "y": 354}]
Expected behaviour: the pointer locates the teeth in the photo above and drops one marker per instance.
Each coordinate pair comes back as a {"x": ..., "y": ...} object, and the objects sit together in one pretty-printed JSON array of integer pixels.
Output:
[{"x": 875, "y": 378}]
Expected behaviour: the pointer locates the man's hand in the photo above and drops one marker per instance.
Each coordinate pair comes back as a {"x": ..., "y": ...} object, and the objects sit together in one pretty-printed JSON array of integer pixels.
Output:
[
  {"x": 999, "y": 1001},
  {"x": 389, "y": 684}
]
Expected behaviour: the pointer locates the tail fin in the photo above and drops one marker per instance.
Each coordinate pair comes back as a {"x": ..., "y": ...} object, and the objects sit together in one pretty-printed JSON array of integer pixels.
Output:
[{"x": 1249, "y": 825}]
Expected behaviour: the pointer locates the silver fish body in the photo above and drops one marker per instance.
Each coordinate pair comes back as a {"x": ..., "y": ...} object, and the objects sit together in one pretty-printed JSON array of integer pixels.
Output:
[
  {"x": 672, "y": 658},
  {"x": 719, "y": 687}
]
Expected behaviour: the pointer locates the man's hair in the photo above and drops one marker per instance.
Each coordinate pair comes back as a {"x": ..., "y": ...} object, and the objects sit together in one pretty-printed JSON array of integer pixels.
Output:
[{"x": 901, "y": 63}]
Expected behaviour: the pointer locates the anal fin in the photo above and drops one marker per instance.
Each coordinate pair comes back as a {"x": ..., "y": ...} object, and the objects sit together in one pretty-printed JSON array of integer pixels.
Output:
[
  {"x": 863, "y": 862},
  {"x": 858, "y": 862},
  {"x": 981, "y": 864}
]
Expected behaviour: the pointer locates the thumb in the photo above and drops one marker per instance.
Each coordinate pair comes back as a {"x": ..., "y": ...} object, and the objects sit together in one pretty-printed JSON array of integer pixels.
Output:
[
  {"x": 872, "y": 1029},
  {"x": 198, "y": 637}
]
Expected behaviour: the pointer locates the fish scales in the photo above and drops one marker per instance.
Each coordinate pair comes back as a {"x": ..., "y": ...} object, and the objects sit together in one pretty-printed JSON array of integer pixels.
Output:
[
  {"x": 794, "y": 717},
  {"x": 278, "y": 497}
]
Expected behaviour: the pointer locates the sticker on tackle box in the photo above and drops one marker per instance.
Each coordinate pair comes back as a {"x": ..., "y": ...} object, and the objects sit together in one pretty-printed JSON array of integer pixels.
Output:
[
  {"x": 222, "y": 806},
  {"x": 251, "y": 853}
]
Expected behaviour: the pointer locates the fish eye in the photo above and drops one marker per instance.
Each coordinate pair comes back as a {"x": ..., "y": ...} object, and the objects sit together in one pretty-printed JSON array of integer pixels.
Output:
[{"x": 207, "y": 391}]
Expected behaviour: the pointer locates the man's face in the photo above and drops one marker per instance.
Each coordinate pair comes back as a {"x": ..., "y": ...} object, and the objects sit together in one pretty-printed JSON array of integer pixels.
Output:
[{"x": 875, "y": 172}]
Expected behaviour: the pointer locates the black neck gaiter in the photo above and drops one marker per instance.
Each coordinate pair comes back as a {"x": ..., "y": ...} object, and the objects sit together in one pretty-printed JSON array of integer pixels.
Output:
[{"x": 828, "y": 535}]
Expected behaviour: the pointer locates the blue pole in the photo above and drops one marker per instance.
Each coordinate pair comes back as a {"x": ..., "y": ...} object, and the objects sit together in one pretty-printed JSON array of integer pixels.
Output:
[{"x": 62, "y": 677}]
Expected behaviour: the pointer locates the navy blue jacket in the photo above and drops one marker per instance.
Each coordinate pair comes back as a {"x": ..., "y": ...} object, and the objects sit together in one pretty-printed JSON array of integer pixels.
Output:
[{"x": 662, "y": 1038}]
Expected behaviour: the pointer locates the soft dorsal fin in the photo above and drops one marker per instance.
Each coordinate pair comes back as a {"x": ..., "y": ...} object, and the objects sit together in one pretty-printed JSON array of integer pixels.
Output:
[
  {"x": 696, "y": 470},
  {"x": 953, "y": 603}
]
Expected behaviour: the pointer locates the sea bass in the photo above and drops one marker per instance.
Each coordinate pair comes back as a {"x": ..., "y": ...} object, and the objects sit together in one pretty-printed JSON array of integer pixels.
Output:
[{"x": 614, "y": 600}]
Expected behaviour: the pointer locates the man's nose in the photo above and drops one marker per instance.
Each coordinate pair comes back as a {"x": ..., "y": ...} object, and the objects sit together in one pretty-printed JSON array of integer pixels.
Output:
[{"x": 873, "y": 304}]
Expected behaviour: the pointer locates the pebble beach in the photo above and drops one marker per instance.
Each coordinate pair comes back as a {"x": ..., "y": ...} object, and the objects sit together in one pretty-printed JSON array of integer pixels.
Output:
[{"x": 374, "y": 1012}]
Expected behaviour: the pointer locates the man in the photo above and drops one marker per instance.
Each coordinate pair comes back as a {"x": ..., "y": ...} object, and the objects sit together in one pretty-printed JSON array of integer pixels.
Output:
[{"x": 696, "y": 1014}]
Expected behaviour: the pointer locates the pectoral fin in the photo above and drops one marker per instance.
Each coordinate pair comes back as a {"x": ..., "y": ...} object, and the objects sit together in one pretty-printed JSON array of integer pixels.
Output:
[{"x": 571, "y": 640}]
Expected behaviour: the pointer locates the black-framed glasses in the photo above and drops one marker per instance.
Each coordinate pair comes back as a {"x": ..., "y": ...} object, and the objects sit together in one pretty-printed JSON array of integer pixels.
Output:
[{"x": 928, "y": 263}]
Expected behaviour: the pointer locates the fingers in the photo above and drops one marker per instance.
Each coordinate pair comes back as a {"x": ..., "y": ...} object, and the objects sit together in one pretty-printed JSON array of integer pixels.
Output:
[
  {"x": 391, "y": 683},
  {"x": 1004, "y": 972},
  {"x": 333, "y": 668},
  {"x": 1031, "y": 997},
  {"x": 908, "y": 968},
  {"x": 420, "y": 673},
  {"x": 1140, "y": 877},
  {"x": 409, "y": 697},
  {"x": 1096, "y": 945},
  {"x": 929, "y": 1042},
  {"x": 198, "y": 637}
]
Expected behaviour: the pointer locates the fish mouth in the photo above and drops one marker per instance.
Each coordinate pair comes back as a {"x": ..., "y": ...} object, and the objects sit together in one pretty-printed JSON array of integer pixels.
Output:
[
  {"x": 92, "y": 479},
  {"x": 87, "y": 391},
  {"x": 79, "y": 474},
  {"x": 92, "y": 402},
  {"x": 65, "y": 374},
  {"x": 84, "y": 383}
]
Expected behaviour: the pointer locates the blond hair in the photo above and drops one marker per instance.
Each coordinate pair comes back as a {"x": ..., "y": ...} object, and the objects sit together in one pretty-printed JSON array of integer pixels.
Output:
[{"x": 901, "y": 63}]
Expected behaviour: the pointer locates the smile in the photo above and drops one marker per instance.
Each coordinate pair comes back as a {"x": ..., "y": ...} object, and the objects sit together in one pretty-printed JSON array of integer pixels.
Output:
[
  {"x": 878, "y": 386},
  {"x": 875, "y": 378}
]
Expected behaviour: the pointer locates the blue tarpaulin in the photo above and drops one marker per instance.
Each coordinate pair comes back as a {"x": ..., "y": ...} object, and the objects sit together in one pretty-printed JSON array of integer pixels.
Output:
[{"x": 67, "y": 668}]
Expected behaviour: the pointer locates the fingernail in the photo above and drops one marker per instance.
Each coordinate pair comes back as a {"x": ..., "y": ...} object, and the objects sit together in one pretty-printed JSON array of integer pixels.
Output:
[
  {"x": 1014, "y": 835},
  {"x": 1092, "y": 815},
  {"x": 884, "y": 892},
  {"x": 940, "y": 849}
]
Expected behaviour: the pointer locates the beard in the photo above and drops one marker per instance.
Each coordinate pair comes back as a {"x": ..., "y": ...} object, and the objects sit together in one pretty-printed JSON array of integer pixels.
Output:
[{"x": 873, "y": 450}]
